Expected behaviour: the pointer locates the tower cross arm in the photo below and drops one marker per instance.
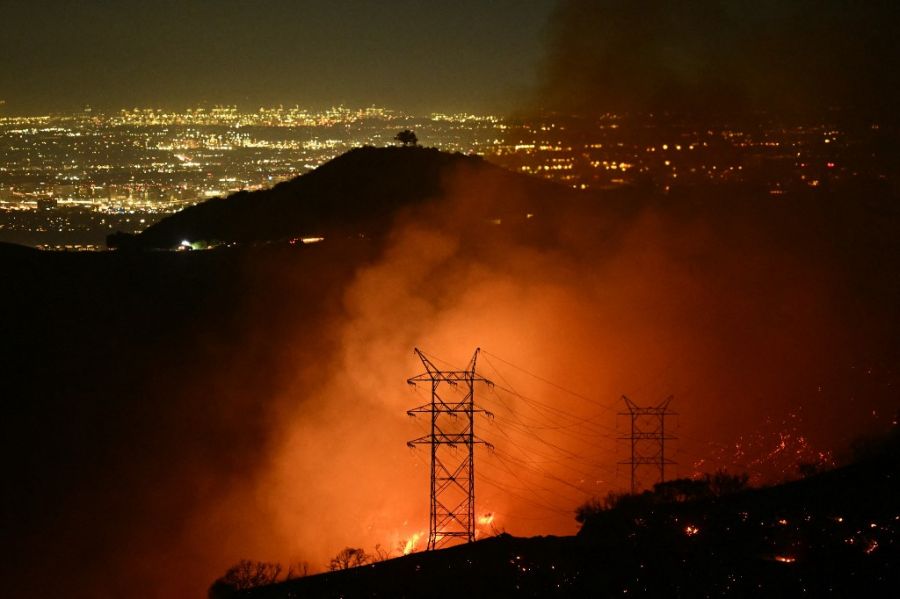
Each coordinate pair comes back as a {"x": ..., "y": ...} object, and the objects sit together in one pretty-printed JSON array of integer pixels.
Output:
[
  {"x": 449, "y": 376},
  {"x": 426, "y": 440},
  {"x": 434, "y": 374},
  {"x": 424, "y": 409}
]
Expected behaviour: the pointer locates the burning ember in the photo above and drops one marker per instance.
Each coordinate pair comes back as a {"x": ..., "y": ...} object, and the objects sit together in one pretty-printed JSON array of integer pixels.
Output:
[{"x": 486, "y": 519}]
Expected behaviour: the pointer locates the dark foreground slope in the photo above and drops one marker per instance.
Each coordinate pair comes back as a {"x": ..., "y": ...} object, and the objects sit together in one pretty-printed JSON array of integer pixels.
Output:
[
  {"x": 359, "y": 192},
  {"x": 136, "y": 388},
  {"x": 832, "y": 535}
]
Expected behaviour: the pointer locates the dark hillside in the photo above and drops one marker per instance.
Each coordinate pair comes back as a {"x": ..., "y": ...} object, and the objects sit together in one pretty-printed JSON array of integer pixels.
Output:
[
  {"x": 136, "y": 388},
  {"x": 835, "y": 534},
  {"x": 359, "y": 192},
  {"x": 15, "y": 250}
]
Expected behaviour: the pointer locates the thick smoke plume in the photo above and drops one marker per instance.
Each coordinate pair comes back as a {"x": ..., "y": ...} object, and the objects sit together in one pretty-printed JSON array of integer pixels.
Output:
[
  {"x": 722, "y": 57},
  {"x": 742, "y": 319}
]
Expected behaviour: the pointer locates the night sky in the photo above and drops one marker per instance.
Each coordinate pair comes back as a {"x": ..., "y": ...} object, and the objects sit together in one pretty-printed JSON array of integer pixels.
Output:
[
  {"x": 406, "y": 54},
  {"x": 502, "y": 56},
  {"x": 794, "y": 57}
]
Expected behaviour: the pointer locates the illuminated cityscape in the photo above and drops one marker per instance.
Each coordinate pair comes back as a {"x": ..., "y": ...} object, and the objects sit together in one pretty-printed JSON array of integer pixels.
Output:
[
  {"x": 618, "y": 150},
  {"x": 68, "y": 180}
]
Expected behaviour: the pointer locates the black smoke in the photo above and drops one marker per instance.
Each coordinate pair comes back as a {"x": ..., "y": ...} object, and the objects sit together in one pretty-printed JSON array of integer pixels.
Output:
[{"x": 722, "y": 57}]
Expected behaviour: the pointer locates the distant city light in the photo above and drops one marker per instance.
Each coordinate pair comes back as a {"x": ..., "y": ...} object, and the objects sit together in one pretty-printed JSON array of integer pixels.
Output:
[{"x": 72, "y": 179}]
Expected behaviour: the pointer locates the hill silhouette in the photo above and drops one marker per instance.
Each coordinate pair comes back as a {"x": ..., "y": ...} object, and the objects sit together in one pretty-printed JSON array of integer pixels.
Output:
[
  {"x": 16, "y": 250},
  {"x": 359, "y": 192}
]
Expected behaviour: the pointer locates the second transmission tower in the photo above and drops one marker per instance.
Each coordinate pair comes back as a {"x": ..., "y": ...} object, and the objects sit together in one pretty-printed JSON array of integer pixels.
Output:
[
  {"x": 452, "y": 426},
  {"x": 648, "y": 438}
]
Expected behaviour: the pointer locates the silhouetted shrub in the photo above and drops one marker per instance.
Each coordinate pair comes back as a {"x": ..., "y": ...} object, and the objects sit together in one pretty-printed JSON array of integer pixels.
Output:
[
  {"x": 247, "y": 574},
  {"x": 349, "y": 557},
  {"x": 588, "y": 509},
  {"x": 721, "y": 483},
  {"x": 682, "y": 489},
  {"x": 679, "y": 490},
  {"x": 297, "y": 570}
]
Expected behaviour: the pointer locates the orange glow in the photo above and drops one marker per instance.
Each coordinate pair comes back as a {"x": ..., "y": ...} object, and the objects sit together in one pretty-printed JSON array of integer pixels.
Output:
[
  {"x": 786, "y": 559},
  {"x": 638, "y": 313}
]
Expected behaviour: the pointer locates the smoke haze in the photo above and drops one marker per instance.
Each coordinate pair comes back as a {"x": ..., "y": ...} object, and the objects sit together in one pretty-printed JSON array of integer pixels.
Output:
[
  {"x": 741, "y": 317},
  {"x": 722, "y": 57}
]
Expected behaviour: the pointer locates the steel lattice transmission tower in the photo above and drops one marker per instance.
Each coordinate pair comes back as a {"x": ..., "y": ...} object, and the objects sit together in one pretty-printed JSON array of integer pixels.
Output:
[
  {"x": 452, "y": 426},
  {"x": 648, "y": 438}
]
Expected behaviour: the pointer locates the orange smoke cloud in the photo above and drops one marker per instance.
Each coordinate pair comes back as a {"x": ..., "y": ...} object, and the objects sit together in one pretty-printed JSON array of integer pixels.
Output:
[
  {"x": 705, "y": 306},
  {"x": 282, "y": 436}
]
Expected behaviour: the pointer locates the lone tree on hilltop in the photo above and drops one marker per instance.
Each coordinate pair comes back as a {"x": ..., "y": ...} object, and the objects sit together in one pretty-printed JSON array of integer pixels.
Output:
[{"x": 407, "y": 137}]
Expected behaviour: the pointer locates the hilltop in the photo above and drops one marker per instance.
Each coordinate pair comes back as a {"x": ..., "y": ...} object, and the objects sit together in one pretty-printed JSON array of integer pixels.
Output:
[{"x": 357, "y": 193}]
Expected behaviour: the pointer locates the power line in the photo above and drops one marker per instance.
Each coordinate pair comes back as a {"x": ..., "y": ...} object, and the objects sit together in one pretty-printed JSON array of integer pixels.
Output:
[
  {"x": 536, "y": 404},
  {"x": 564, "y": 389},
  {"x": 590, "y": 400}
]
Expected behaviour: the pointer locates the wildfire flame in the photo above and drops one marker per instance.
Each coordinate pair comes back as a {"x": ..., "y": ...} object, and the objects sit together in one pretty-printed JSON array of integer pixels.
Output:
[
  {"x": 411, "y": 543},
  {"x": 486, "y": 519}
]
